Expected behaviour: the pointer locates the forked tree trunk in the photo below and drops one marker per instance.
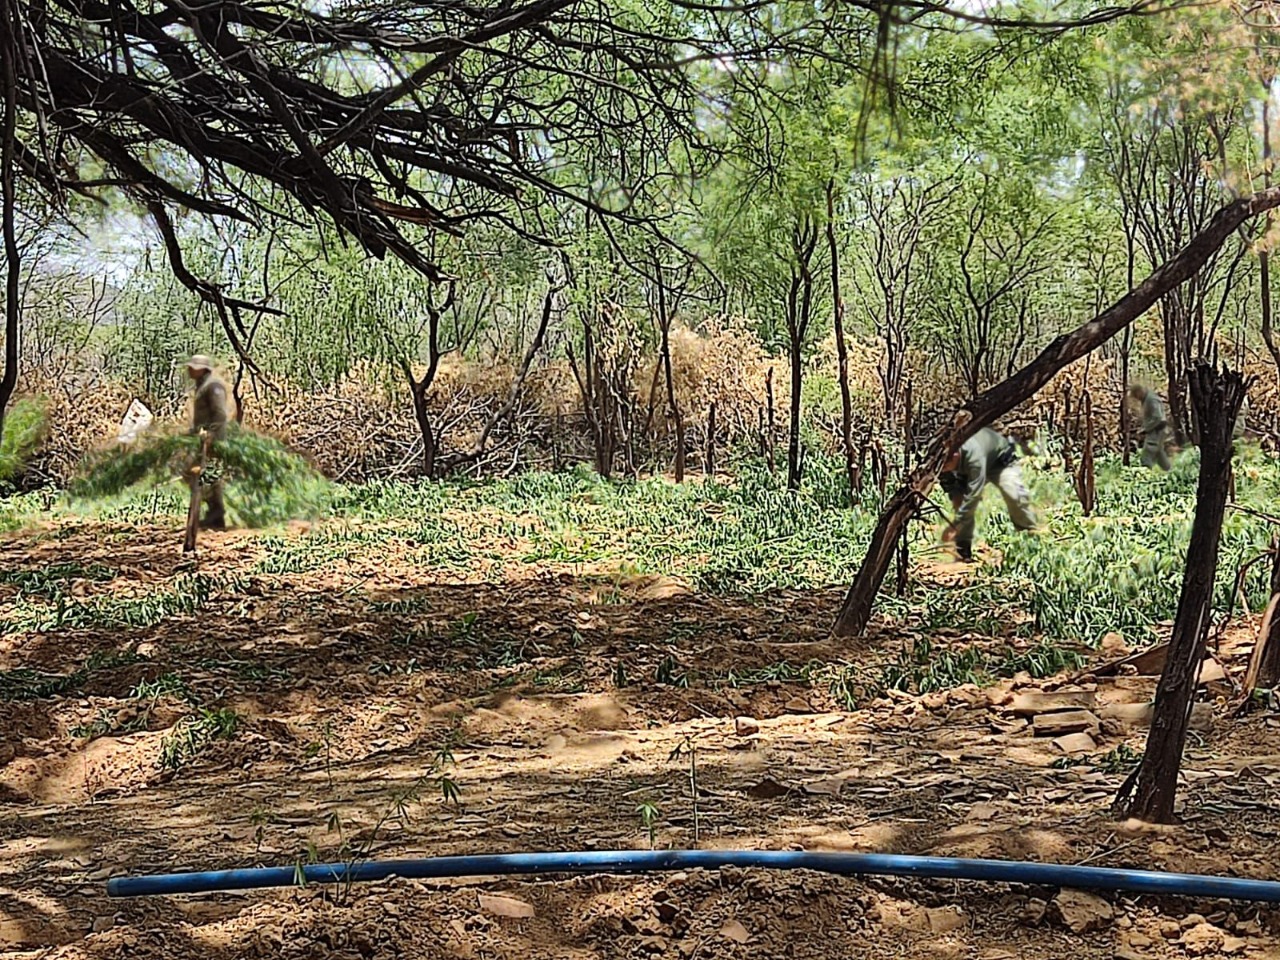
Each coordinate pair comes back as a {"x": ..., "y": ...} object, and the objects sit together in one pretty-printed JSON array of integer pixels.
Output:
[
  {"x": 1149, "y": 792},
  {"x": 1004, "y": 396}
]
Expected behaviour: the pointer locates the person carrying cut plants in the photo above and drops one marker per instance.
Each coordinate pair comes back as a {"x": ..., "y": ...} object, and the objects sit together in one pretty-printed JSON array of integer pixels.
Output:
[
  {"x": 986, "y": 457},
  {"x": 208, "y": 417},
  {"x": 1155, "y": 428}
]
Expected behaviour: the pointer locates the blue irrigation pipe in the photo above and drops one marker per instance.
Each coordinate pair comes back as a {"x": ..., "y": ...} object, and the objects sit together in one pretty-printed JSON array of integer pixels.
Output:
[{"x": 644, "y": 861}]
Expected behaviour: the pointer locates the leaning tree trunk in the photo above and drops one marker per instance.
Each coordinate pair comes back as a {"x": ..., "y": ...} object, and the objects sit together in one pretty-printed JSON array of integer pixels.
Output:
[
  {"x": 1004, "y": 396},
  {"x": 1149, "y": 792}
]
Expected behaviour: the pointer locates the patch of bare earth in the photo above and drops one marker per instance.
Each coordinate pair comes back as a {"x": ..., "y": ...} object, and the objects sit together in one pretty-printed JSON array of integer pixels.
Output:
[{"x": 350, "y": 678}]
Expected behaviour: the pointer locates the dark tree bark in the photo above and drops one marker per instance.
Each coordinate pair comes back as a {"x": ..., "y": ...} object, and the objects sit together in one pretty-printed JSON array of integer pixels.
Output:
[
  {"x": 664, "y": 319},
  {"x": 10, "y": 28},
  {"x": 1264, "y": 258},
  {"x": 1086, "y": 488},
  {"x": 1003, "y": 397},
  {"x": 842, "y": 350},
  {"x": 1149, "y": 792},
  {"x": 1126, "y": 342},
  {"x": 904, "y": 543},
  {"x": 804, "y": 240}
]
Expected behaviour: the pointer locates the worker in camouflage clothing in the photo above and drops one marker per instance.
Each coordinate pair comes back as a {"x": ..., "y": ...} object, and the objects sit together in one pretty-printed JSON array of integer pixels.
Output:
[
  {"x": 1155, "y": 428},
  {"x": 986, "y": 457},
  {"x": 1242, "y": 420},
  {"x": 208, "y": 416}
]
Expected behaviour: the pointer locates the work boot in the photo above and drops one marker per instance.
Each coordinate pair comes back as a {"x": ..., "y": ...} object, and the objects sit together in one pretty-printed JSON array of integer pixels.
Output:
[
  {"x": 964, "y": 552},
  {"x": 213, "y": 522}
]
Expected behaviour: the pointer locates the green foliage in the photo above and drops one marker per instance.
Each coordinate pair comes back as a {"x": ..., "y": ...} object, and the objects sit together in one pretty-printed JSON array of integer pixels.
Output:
[
  {"x": 25, "y": 683},
  {"x": 924, "y": 668},
  {"x": 18, "y": 511},
  {"x": 266, "y": 482},
  {"x": 1120, "y": 759},
  {"x": 48, "y": 581},
  {"x": 650, "y": 816},
  {"x": 188, "y": 594},
  {"x": 192, "y": 735},
  {"x": 165, "y": 685},
  {"x": 25, "y": 426},
  {"x": 1121, "y": 570}
]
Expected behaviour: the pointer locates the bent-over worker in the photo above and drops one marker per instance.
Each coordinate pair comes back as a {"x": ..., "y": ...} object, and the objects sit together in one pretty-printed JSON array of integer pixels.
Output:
[
  {"x": 1155, "y": 428},
  {"x": 986, "y": 457},
  {"x": 208, "y": 416}
]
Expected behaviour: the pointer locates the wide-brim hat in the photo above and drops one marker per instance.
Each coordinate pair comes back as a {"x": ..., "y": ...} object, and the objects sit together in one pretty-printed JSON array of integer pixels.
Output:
[{"x": 199, "y": 362}]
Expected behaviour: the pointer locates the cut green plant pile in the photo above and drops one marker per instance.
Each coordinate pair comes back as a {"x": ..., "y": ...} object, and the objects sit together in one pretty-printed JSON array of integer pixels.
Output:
[
  {"x": 267, "y": 483},
  {"x": 1078, "y": 579},
  {"x": 25, "y": 425}
]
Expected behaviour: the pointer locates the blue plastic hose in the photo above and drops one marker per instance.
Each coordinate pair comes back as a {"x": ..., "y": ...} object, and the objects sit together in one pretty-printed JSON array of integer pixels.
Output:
[{"x": 643, "y": 861}]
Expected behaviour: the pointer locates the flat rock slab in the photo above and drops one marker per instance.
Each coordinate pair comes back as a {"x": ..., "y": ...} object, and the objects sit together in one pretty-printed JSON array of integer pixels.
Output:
[
  {"x": 1140, "y": 714},
  {"x": 1031, "y": 703},
  {"x": 1068, "y": 721},
  {"x": 1075, "y": 743}
]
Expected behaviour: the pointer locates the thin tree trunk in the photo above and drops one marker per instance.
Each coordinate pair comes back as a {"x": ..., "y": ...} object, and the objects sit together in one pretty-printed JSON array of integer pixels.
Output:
[
  {"x": 10, "y": 37},
  {"x": 904, "y": 547},
  {"x": 1264, "y": 259},
  {"x": 672, "y": 402},
  {"x": 1176, "y": 373},
  {"x": 517, "y": 385},
  {"x": 842, "y": 350},
  {"x": 1004, "y": 396},
  {"x": 1149, "y": 792},
  {"x": 422, "y": 413},
  {"x": 711, "y": 441},
  {"x": 1126, "y": 348},
  {"x": 804, "y": 239},
  {"x": 768, "y": 391},
  {"x": 793, "y": 441},
  {"x": 1085, "y": 480}
]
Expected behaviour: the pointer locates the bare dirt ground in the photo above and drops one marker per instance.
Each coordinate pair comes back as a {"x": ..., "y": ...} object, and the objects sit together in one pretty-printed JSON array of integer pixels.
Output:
[{"x": 349, "y": 679}]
